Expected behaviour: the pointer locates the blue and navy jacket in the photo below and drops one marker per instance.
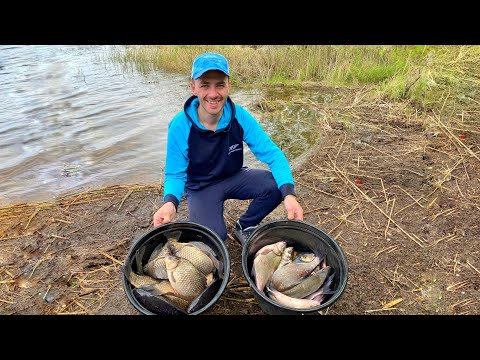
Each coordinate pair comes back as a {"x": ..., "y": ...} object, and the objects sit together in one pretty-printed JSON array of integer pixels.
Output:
[{"x": 197, "y": 157}]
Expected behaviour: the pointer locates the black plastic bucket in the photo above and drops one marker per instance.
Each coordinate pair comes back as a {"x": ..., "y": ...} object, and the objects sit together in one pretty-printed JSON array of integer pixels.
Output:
[
  {"x": 189, "y": 232},
  {"x": 302, "y": 236}
]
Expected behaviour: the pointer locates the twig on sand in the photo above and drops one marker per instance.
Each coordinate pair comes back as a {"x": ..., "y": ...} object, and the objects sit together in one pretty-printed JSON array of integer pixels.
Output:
[
  {"x": 377, "y": 310},
  {"x": 37, "y": 210},
  {"x": 316, "y": 209},
  {"x": 463, "y": 303},
  {"x": 411, "y": 197},
  {"x": 389, "y": 217},
  {"x": 343, "y": 218},
  {"x": 231, "y": 238},
  {"x": 449, "y": 237},
  {"x": 473, "y": 267},
  {"x": 58, "y": 237},
  {"x": 250, "y": 300},
  {"x": 360, "y": 211},
  {"x": 388, "y": 249},
  {"x": 6, "y": 301},
  {"x": 111, "y": 258},
  {"x": 458, "y": 285},
  {"x": 446, "y": 212},
  {"x": 380, "y": 151},
  {"x": 46, "y": 292},
  {"x": 35, "y": 267},
  {"x": 7, "y": 281},
  {"x": 74, "y": 231},
  {"x": 458, "y": 187},
  {"x": 63, "y": 221},
  {"x": 125, "y": 198},
  {"x": 323, "y": 192},
  {"x": 340, "y": 147}
]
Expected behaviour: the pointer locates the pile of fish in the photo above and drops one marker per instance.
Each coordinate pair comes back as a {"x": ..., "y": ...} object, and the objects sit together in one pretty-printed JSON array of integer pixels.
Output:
[
  {"x": 296, "y": 279},
  {"x": 178, "y": 274}
]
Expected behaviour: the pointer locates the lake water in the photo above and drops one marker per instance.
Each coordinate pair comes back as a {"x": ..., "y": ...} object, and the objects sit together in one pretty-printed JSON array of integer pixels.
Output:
[{"x": 73, "y": 120}]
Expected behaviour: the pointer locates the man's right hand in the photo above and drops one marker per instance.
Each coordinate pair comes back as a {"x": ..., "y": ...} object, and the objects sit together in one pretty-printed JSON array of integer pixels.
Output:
[{"x": 165, "y": 214}]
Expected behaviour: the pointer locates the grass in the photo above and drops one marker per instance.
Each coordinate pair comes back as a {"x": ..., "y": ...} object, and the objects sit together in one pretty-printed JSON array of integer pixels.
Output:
[{"x": 415, "y": 72}]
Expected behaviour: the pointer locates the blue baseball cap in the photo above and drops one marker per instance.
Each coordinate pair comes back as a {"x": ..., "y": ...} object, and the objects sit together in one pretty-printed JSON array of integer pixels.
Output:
[{"x": 209, "y": 61}]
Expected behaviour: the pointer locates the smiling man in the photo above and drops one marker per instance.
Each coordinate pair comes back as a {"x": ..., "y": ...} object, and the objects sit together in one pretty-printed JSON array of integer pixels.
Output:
[{"x": 205, "y": 158}]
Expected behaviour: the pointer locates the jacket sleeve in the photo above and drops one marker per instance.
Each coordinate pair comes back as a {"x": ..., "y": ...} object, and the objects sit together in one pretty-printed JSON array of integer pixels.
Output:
[
  {"x": 266, "y": 151},
  {"x": 176, "y": 162}
]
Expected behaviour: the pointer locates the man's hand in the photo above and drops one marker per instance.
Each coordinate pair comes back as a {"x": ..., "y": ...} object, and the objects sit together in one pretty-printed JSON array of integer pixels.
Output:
[
  {"x": 165, "y": 214},
  {"x": 294, "y": 209}
]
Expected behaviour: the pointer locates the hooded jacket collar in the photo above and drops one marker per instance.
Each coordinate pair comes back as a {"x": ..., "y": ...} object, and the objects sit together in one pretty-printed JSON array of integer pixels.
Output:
[{"x": 190, "y": 110}]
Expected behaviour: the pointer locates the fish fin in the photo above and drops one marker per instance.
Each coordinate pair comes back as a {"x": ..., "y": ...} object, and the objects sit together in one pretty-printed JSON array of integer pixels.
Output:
[
  {"x": 175, "y": 235},
  {"x": 326, "y": 287},
  {"x": 157, "y": 304},
  {"x": 138, "y": 260},
  {"x": 148, "y": 287},
  {"x": 253, "y": 272},
  {"x": 151, "y": 289},
  {"x": 170, "y": 249},
  {"x": 155, "y": 252},
  {"x": 126, "y": 269}
]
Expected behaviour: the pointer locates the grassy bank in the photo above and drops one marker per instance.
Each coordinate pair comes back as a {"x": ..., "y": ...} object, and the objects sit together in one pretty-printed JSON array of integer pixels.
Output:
[{"x": 417, "y": 73}]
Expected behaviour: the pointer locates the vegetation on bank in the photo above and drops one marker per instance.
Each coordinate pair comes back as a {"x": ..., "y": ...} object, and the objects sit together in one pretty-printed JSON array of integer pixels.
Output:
[{"x": 413, "y": 72}]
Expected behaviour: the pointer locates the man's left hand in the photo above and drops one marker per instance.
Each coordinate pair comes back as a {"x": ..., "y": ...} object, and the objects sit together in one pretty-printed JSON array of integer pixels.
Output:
[{"x": 294, "y": 210}]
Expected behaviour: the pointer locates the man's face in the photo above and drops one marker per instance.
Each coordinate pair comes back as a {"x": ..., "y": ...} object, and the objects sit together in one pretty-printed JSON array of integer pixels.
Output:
[{"x": 212, "y": 90}]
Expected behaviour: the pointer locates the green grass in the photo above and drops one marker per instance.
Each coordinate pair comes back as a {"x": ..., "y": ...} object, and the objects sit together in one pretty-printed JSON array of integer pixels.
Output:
[{"x": 415, "y": 72}]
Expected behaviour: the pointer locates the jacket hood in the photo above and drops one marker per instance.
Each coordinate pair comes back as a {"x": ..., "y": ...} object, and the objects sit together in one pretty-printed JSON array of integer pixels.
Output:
[{"x": 192, "y": 104}]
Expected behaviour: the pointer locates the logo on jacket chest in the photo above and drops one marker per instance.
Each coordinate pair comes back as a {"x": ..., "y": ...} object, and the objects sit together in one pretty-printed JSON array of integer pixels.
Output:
[{"x": 234, "y": 148}]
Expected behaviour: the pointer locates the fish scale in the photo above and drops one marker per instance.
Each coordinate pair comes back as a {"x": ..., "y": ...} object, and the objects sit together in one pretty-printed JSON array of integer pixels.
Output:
[
  {"x": 197, "y": 257},
  {"x": 292, "y": 273},
  {"x": 185, "y": 278}
]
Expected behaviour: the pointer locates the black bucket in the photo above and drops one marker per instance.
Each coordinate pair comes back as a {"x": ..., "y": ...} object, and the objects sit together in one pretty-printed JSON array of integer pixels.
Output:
[
  {"x": 148, "y": 304},
  {"x": 303, "y": 236}
]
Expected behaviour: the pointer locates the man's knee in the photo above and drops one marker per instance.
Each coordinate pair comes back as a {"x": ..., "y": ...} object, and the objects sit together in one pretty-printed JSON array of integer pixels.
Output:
[
  {"x": 222, "y": 234},
  {"x": 273, "y": 192}
]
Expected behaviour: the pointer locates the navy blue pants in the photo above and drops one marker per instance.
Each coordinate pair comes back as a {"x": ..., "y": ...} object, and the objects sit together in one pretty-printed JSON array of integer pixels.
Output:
[{"x": 205, "y": 206}]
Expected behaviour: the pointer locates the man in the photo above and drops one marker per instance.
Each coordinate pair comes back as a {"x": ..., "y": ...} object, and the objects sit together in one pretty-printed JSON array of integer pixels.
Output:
[{"x": 205, "y": 158}]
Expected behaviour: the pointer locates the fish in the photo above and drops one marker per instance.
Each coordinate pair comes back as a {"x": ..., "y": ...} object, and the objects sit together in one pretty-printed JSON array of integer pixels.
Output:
[
  {"x": 323, "y": 291},
  {"x": 205, "y": 296},
  {"x": 161, "y": 250},
  {"x": 287, "y": 257},
  {"x": 266, "y": 261},
  {"x": 303, "y": 257},
  {"x": 210, "y": 278},
  {"x": 197, "y": 257},
  {"x": 155, "y": 286},
  {"x": 177, "y": 301},
  {"x": 292, "y": 302},
  {"x": 187, "y": 281},
  {"x": 310, "y": 284},
  {"x": 157, "y": 304},
  {"x": 291, "y": 274},
  {"x": 156, "y": 268},
  {"x": 208, "y": 250}
]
